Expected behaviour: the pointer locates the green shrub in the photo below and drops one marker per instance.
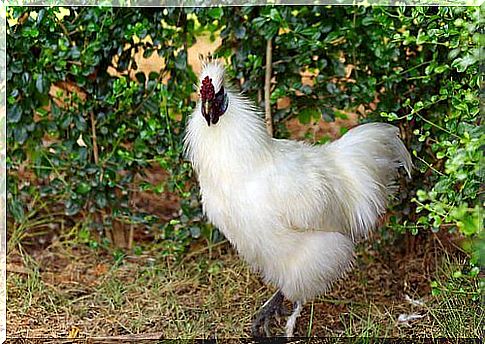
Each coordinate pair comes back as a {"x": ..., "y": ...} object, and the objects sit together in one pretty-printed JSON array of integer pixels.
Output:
[
  {"x": 88, "y": 137},
  {"x": 417, "y": 67}
]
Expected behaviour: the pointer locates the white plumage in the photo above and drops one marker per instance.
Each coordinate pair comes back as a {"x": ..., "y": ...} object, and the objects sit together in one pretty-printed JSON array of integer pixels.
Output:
[{"x": 293, "y": 211}]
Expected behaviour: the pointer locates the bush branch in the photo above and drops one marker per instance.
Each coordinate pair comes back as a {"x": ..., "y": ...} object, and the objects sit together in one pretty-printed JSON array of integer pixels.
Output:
[{"x": 267, "y": 88}]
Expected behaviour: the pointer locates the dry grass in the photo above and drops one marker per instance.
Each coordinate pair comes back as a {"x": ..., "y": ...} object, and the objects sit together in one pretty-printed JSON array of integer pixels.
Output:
[{"x": 69, "y": 290}]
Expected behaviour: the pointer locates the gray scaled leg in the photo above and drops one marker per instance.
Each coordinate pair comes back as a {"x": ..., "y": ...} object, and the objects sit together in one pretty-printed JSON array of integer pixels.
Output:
[
  {"x": 290, "y": 324},
  {"x": 271, "y": 309}
]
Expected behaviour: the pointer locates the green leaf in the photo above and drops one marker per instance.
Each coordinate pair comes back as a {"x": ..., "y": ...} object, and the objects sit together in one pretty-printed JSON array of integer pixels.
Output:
[
  {"x": 75, "y": 53},
  {"x": 39, "y": 83},
  {"x": 72, "y": 208},
  {"x": 275, "y": 15},
  {"x": 195, "y": 232},
  {"x": 216, "y": 12},
  {"x": 55, "y": 111},
  {"x": 469, "y": 225},
  {"x": 42, "y": 112},
  {"x": 332, "y": 36},
  {"x": 20, "y": 135},
  {"x": 441, "y": 69},
  {"x": 341, "y": 115},
  {"x": 462, "y": 63},
  {"x": 80, "y": 123},
  {"x": 305, "y": 115},
  {"x": 457, "y": 274},
  {"x": 328, "y": 115},
  {"x": 140, "y": 76},
  {"x": 83, "y": 188},
  {"x": 240, "y": 32},
  {"x": 17, "y": 210},
  {"x": 66, "y": 122},
  {"x": 367, "y": 20},
  {"x": 422, "y": 38},
  {"x": 14, "y": 113},
  {"x": 100, "y": 199}
]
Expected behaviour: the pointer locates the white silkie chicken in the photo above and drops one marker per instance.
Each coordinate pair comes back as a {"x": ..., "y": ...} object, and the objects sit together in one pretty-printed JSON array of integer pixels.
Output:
[{"x": 292, "y": 210}]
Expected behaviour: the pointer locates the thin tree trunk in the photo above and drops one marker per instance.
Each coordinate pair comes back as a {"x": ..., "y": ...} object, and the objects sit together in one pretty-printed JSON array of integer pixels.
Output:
[
  {"x": 95, "y": 141},
  {"x": 267, "y": 88}
]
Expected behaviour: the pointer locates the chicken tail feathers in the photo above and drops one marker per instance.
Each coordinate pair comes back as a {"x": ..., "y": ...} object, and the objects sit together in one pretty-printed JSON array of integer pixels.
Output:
[{"x": 369, "y": 157}]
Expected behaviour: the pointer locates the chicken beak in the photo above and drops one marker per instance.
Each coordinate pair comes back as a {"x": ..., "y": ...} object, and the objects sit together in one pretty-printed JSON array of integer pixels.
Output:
[
  {"x": 206, "y": 107},
  {"x": 206, "y": 111}
]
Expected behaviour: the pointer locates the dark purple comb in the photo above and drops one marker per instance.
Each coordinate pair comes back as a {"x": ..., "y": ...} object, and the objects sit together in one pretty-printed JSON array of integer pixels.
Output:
[{"x": 207, "y": 91}]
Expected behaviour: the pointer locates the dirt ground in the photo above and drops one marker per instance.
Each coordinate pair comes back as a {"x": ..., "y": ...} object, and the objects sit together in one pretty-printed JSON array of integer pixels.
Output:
[{"x": 68, "y": 290}]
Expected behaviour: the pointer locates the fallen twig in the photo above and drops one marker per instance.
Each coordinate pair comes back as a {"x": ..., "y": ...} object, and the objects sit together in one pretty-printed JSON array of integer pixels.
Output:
[{"x": 139, "y": 336}]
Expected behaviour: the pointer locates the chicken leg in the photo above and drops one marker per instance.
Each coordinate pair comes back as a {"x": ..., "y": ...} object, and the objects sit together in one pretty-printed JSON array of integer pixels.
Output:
[
  {"x": 290, "y": 324},
  {"x": 272, "y": 308}
]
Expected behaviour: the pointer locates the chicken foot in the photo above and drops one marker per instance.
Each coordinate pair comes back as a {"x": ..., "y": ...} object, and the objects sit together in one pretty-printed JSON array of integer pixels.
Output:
[{"x": 273, "y": 308}]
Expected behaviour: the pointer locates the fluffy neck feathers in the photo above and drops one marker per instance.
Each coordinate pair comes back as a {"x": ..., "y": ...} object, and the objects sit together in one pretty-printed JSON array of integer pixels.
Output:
[{"x": 235, "y": 145}]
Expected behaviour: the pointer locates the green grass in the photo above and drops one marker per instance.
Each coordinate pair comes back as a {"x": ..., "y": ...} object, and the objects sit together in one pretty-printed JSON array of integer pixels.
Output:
[{"x": 458, "y": 310}]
